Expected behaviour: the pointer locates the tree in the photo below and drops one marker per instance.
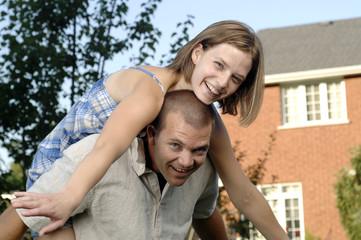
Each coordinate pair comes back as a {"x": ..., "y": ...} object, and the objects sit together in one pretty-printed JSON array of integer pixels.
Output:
[
  {"x": 237, "y": 223},
  {"x": 180, "y": 38},
  {"x": 47, "y": 45},
  {"x": 9, "y": 180},
  {"x": 348, "y": 192}
]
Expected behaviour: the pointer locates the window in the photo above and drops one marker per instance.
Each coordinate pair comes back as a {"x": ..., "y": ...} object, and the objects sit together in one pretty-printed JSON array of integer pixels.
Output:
[
  {"x": 286, "y": 203},
  {"x": 314, "y": 103}
]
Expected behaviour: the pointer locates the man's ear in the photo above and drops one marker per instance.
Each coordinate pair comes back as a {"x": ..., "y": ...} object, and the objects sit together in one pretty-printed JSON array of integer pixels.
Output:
[
  {"x": 151, "y": 132},
  {"x": 196, "y": 52}
]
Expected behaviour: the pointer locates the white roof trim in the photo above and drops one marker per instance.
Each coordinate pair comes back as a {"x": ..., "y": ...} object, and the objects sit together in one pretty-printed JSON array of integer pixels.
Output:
[{"x": 313, "y": 74}]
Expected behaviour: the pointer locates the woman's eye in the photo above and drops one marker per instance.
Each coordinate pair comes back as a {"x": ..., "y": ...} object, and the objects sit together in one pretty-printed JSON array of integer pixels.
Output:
[{"x": 237, "y": 80}]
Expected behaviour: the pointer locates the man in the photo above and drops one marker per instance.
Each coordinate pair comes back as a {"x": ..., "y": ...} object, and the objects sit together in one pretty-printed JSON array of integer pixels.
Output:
[{"x": 161, "y": 185}]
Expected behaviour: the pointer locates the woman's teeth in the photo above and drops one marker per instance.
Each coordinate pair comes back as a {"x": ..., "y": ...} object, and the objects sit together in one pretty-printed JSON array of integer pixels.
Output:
[{"x": 213, "y": 90}]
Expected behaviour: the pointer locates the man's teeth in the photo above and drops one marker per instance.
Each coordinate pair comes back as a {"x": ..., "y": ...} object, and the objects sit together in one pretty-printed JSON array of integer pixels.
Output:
[
  {"x": 180, "y": 170},
  {"x": 213, "y": 90}
]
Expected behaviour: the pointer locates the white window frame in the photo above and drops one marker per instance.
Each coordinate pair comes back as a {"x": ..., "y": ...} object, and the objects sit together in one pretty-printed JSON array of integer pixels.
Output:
[
  {"x": 302, "y": 104},
  {"x": 280, "y": 212}
]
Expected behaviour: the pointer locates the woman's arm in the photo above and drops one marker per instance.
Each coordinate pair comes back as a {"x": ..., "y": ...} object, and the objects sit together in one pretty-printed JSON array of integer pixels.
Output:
[
  {"x": 243, "y": 194},
  {"x": 66, "y": 233},
  {"x": 11, "y": 225},
  {"x": 130, "y": 116}
]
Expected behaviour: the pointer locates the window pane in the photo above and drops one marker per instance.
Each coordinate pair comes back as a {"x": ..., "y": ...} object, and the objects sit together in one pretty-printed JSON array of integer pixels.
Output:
[
  {"x": 286, "y": 188},
  {"x": 273, "y": 203},
  {"x": 290, "y": 188},
  {"x": 266, "y": 191},
  {"x": 290, "y": 105},
  {"x": 334, "y": 98},
  {"x": 297, "y": 224},
  {"x": 313, "y": 102},
  {"x": 295, "y": 213},
  {"x": 288, "y": 213},
  {"x": 292, "y": 217}
]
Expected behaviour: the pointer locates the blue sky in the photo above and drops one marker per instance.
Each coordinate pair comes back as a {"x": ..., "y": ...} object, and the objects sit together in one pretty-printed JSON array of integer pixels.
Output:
[{"x": 259, "y": 14}]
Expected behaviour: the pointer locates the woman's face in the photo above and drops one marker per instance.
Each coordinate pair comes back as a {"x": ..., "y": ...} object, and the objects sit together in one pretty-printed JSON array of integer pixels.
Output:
[{"x": 218, "y": 71}]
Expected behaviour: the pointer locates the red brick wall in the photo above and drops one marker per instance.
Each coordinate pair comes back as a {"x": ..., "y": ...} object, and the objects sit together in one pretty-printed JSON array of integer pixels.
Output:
[{"x": 310, "y": 155}]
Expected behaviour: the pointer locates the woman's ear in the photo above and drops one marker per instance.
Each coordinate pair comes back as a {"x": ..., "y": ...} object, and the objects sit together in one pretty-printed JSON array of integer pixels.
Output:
[
  {"x": 196, "y": 52},
  {"x": 151, "y": 132}
]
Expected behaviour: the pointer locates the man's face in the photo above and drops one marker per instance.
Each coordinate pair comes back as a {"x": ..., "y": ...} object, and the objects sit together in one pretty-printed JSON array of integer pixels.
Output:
[{"x": 179, "y": 149}]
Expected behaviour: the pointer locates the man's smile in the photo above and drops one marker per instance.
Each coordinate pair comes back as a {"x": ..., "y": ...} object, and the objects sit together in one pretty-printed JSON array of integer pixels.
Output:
[{"x": 182, "y": 170}]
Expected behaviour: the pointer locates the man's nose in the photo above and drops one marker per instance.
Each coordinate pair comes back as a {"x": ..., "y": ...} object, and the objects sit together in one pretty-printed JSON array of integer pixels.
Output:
[{"x": 186, "y": 159}]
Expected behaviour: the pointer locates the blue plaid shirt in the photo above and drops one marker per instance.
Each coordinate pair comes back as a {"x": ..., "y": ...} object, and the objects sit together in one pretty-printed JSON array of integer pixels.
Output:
[{"x": 86, "y": 117}]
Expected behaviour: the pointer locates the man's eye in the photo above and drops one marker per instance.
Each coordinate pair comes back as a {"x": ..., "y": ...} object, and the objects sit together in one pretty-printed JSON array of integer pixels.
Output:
[
  {"x": 219, "y": 64},
  {"x": 175, "y": 145},
  {"x": 201, "y": 150}
]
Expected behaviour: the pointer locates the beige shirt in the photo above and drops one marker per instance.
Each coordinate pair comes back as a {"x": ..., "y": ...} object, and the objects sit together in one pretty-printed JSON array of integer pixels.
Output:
[{"x": 127, "y": 203}]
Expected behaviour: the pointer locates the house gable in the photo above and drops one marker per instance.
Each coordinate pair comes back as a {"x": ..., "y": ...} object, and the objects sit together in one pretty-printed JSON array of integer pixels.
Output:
[{"x": 312, "y": 51}]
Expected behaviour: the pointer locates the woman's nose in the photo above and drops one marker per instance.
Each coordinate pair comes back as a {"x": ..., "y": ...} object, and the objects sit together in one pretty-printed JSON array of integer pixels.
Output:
[{"x": 223, "y": 80}]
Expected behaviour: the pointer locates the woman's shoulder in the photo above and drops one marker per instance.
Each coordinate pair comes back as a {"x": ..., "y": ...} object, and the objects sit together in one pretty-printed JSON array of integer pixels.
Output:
[
  {"x": 166, "y": 76},
  {"x": 124, "y": 82},
  {"x": 142, "y": 73}
]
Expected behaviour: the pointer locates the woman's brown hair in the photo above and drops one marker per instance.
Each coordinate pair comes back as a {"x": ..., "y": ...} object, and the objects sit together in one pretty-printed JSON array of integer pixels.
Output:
[{"x": 250, "y": 94}]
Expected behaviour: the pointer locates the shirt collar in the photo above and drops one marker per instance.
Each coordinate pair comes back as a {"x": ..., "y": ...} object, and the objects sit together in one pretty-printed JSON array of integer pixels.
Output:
[{"x": 137, "y": 157}]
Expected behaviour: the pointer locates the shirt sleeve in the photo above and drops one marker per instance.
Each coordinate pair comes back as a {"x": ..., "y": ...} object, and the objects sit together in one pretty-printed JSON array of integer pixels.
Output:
[
  {"x": 55, "y": 180},
  {"x": 207, "y": 201}
]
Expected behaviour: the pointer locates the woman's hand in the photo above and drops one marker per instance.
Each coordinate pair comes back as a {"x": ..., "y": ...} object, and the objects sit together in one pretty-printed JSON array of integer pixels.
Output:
[{"x": 56, "y": 206}]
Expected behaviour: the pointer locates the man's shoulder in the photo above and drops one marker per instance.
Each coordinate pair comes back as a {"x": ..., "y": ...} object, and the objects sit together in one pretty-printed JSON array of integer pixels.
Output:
[
  {"x": 205, "y": 173},
  {"x": 208, "y": 165},
  {"x": 78, "y": 150}
]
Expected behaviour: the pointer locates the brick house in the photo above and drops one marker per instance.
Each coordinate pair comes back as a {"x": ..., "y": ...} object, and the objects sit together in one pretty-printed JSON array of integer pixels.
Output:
[{"x": 312, "y": 104}]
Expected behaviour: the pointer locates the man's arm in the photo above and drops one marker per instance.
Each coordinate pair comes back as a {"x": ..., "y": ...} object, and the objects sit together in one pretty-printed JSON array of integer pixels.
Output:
[
  {"x": 211, "y": 228},
  {"x": 11, "y": 225}
]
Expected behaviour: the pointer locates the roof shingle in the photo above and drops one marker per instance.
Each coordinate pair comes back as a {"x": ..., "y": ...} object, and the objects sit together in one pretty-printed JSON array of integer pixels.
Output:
[{"x": 312, "y": 46}]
